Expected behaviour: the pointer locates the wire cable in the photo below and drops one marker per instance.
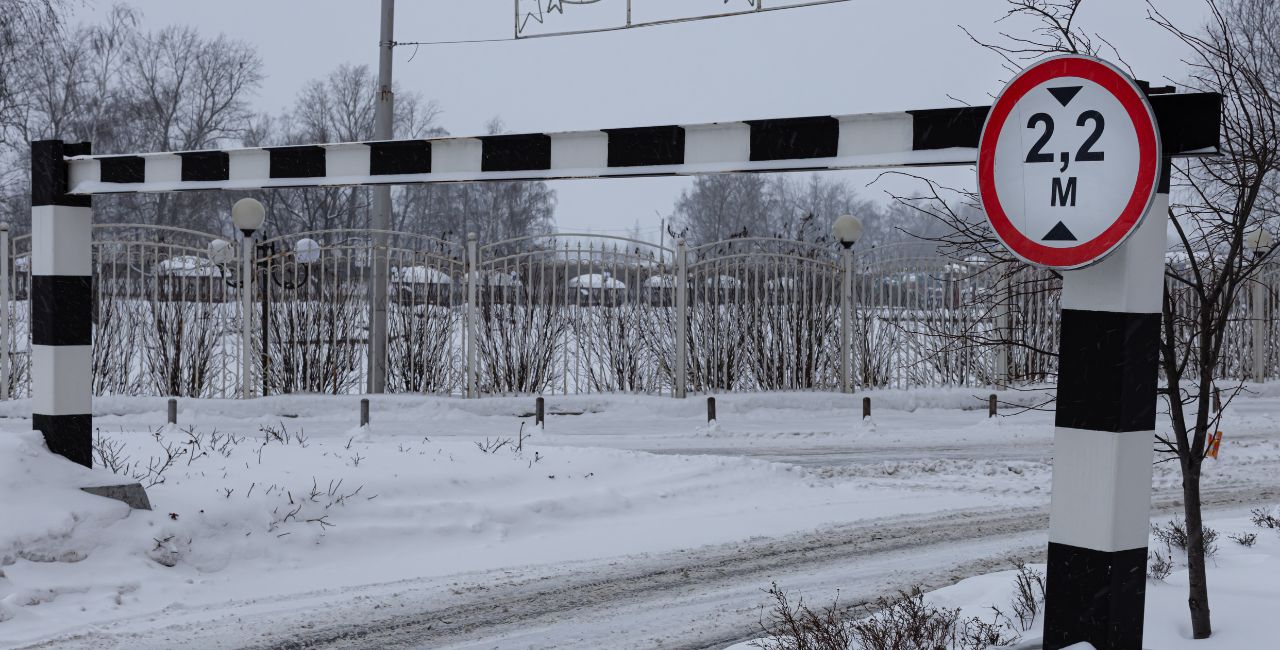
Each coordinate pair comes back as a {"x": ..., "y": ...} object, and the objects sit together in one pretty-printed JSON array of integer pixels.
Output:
[{"x": 617, "y": 28}]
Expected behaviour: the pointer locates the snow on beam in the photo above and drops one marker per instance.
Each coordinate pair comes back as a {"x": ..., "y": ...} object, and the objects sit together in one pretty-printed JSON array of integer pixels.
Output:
[{"x": 1189, "y": 126}]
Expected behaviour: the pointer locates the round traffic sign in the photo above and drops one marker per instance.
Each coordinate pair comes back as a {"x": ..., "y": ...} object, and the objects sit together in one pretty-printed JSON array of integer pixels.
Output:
[{"x": 1069, "y": 161}]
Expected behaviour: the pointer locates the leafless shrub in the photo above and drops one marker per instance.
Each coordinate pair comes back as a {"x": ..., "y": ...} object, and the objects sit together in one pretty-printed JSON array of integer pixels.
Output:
[
  {"x": 1174, "y": 535},
  {"x": 316, "y": 331},
  {"x": 492, "y": 446},
  {"x": 1158, "y": 566},
  {"x": 797, "y": 627},
  {"x": 182, "y": 339},
  {"x": 421, "y": 357},
  {"x": 908, "y": 623},
  {"x": 904, "y": 622},
  {"x": 1028, "y": 596},
  {"x": 115, "y": 352},
  {"x": 1244, "y": 539},
  {"x": 110, "y": 454},
  {"x": 517, "y": 344},
  {"x": 1263, "y": 519}
]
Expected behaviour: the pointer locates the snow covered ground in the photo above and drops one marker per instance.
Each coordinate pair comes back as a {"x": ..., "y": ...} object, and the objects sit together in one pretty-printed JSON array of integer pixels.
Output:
[
  {"x": 629, "y": 521},
  {"x": 1244, "y": 583}
]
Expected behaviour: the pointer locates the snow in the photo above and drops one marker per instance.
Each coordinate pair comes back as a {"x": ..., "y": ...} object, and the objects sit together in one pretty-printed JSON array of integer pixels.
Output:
[
  {"x": 329, "y": 505},
  {"x": 596, "y": 281},
  {"x": 420, "y": 275},
  {"x": 661, "y": 282},
  {"x": 496, "y": 279},
  {"x": 189, "y": 266},
  {"x": 1244, "y": 592}
]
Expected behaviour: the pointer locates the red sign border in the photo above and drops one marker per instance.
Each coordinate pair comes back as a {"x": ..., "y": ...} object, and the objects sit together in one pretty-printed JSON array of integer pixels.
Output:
[{"x": 1144, "y": 191}]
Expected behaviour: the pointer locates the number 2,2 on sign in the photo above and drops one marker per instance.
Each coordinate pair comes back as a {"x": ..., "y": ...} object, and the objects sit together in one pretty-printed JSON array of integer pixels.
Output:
[{"x": 1063, "y": 190}]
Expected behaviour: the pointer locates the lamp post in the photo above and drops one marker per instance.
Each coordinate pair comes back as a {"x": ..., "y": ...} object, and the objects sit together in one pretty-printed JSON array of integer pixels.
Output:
[
  {"x": 248, "y": 216},
  {"x": 846, "y": 230},
  {"x": 258, "y": 268},
  {"x": 1259, "y": 242}
]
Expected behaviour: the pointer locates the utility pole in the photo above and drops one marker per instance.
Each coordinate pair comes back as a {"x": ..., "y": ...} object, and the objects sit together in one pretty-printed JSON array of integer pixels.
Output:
[{"x": 380, "y": 220}]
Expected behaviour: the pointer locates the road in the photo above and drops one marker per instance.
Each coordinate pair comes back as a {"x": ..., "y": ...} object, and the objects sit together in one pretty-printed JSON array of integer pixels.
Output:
[{"x": 696, "y": 599}]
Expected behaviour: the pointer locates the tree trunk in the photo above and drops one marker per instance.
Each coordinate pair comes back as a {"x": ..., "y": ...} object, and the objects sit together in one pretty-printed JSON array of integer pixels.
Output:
[{"x": 1198, "y": 589}]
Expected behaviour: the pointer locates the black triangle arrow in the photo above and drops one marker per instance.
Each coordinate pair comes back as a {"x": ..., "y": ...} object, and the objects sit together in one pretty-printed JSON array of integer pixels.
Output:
[
  {"x": 1059, "y": 233},
  {"x": 1065, "y": 94}
]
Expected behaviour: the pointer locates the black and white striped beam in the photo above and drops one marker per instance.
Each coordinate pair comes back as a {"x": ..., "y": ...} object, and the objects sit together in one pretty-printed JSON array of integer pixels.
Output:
[
  {"x": 911, "y": 138},
  {"x": 1103, "y": 442},
  {"x": 61, "y": 304}
]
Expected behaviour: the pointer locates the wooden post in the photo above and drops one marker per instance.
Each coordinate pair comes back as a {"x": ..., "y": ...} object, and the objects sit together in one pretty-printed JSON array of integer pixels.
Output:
[
  {"x": 173, "y": 411},
  {"x": 1217, "y": 399},
  {"x": 991, "y": 406},
  {"x": 711, "y": 410},
  {"x": 866, "y": 407},
  {"x": 540, "y": 413},
  {"x": 364, "y": 412}
]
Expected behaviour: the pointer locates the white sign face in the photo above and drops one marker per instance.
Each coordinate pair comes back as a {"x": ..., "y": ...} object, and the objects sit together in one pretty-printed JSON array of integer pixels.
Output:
[{"x": 1068, "y": 162}]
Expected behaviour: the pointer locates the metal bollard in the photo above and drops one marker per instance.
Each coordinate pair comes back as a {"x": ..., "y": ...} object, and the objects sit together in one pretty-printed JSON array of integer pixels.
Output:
[
  {"x": 364, "y": 412},
  {"x": 540, "y": 413},
  {"x": 991, "y": 406},
  {"x": 711, "y": 410},
  {"x": 173, "y": 411},
  {"x": 866, "y": 407}
]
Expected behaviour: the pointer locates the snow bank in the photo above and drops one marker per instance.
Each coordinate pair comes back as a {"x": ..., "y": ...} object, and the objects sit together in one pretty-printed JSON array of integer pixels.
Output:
[
  {"x": 1244, "y": 588},
  {"x": 256, "y": 505}
]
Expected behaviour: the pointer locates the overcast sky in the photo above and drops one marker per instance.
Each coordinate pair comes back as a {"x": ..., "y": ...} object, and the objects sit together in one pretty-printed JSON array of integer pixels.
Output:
[{"x": 853, "y": 57}]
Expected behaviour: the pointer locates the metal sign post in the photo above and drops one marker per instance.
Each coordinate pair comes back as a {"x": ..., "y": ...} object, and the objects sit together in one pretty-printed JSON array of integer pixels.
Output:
[{"x": 1072, "y": 176}]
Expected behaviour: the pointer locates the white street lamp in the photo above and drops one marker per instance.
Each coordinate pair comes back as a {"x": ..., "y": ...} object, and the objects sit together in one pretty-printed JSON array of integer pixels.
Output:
[
  {"x": 248, "y": 216},
  {"x": 1259, "y": 241},
  {"x": 846, "y": 230},
  {"x": 306, "y": 251}
]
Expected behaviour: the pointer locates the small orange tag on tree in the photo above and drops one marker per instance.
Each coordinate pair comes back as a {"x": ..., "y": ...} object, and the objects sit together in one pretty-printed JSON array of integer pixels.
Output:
[{"x": 1214, "y": 443}]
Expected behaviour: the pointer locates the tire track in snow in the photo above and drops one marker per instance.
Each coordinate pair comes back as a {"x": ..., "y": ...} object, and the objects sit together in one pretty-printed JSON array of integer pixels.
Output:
[{"x": 700, "y": 598}]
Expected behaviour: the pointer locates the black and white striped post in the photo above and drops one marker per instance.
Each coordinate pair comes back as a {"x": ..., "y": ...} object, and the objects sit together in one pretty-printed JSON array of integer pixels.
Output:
[
  {"x": 1092, "y": 202},
  {"x": 61, "y": 304},
  {"x": 1102, "y": 444}
]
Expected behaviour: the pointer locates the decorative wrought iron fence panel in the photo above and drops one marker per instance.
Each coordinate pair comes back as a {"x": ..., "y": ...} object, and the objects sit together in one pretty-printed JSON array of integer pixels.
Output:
[{"x": 566, "y": 313}]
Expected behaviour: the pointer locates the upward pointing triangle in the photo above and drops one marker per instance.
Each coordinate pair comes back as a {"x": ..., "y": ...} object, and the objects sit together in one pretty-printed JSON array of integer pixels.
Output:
[
  {"x": 1065, "y": 94},
  {"x": 1059, "y": 233}
]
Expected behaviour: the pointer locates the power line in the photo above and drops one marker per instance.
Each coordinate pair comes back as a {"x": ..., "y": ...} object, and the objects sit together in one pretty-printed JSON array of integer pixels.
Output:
[{"x": 617, "y": 28}]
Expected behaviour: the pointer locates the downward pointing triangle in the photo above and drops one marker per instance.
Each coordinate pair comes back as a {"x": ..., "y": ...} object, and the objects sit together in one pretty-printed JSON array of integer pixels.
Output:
[
  {"x": 1065, "y": 94},
  {"x": 1059, "y": 233}
]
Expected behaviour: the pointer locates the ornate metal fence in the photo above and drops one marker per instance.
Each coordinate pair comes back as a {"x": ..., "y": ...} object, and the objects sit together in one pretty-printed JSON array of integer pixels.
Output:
[{"x": 564, "y": 313}]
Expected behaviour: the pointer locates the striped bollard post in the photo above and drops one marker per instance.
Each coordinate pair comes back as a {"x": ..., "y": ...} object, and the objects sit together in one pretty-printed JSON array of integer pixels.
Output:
[
  {"x": 61, "y": 305},
  {"x": 1102, "y": 445}
]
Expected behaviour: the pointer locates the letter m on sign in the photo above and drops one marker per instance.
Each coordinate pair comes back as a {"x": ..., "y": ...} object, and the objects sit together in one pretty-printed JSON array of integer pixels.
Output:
[{"x": 1061, "y": 194}]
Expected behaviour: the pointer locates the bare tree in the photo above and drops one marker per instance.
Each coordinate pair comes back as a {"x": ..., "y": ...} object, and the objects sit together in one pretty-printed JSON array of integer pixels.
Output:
[{"x": 1221, "y": 201}]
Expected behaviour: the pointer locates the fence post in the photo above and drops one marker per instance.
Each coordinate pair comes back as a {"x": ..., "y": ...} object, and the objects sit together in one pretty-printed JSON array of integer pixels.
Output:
[
  {"x": 711, "y": 410},
  {"x": 364, "y": 412},
  {"x": 681, "y": 367},
  {"x": 173, "y": 410},
  {"x": 264, "y": 291},
  {"x": 846, "y": 338},
  {"x": 540, "y": 412},
  {"x": 246, "y": 315},
  {"x": 1257, "y": 316},
  {"x": 991, "y": 406},
  {"x": 473, "y": 277},
  {"x": 866, "y": 407},
  {"x": 1004, "y": 305},
  {"x": 4, "y": 317}
]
